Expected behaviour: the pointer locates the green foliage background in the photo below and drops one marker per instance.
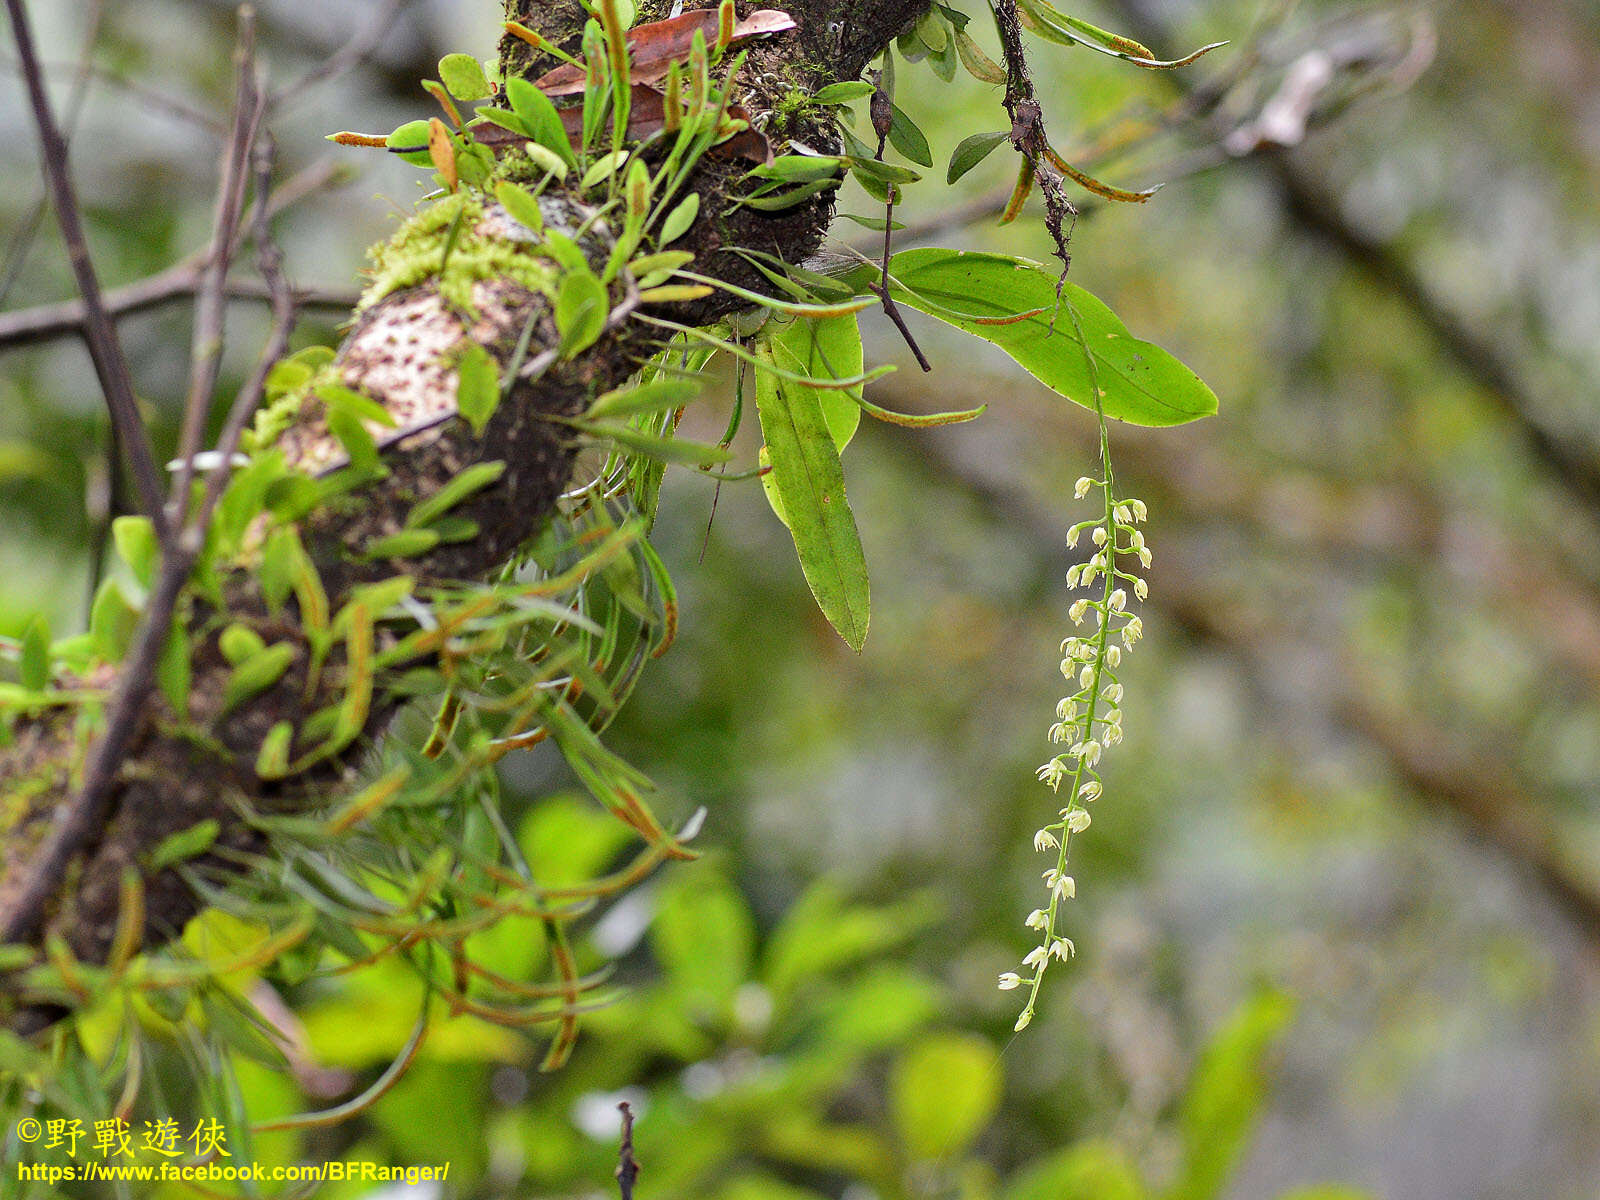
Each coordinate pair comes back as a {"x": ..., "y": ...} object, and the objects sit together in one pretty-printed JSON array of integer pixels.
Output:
[{"x": 1309, "y": 950}]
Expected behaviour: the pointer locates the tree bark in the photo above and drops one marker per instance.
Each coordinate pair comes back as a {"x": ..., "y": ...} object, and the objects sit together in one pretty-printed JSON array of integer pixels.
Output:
[{"x": 398, "y": 352}]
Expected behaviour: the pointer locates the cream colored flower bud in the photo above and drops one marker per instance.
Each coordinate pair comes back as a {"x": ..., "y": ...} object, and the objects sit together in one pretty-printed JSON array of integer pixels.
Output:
[
  {"x": 1010, "y": 980},
  {"x": 1081, "y": 488}
]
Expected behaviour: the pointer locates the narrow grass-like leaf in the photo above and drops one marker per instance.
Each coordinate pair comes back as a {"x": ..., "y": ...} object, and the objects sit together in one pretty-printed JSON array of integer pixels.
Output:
[
  {"x": 470, "y": 481},
  {"x": 655, "y": 396},
  {"x": 672, "y": 450}
]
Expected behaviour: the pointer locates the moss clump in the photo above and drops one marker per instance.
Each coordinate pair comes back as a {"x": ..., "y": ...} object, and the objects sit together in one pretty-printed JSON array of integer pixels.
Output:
[
  {"x": 788, "y": 110},
  {"x": 274, "y": 419},
  {"x": 417, "y": 250}
]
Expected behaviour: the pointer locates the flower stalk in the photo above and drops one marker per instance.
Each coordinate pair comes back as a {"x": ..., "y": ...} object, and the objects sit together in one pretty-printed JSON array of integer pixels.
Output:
[{"x": 1089, "y": 720}]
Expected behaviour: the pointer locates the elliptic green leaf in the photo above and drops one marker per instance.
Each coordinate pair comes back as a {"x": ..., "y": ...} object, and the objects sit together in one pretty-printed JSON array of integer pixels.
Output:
[
  {"x": 136, "y": 544},
  {"x": 520, "y": 203},
  {"x": 34, "y": 667},
  {"x": 1088, "y": 1171},
  {"x": 842, "y": 93},
  {"x": 972, "y": 151},
  {"x": 183, "y": 845},
  {"x": 677, "y": 222},
  {"x": 462, "y": 76},
  {"x": 581, "y": 309},
  {"x": 256, "y": 675},
  {"x": 905, "y": 137},
  {"x": 411, "y": 140},
  {"x": 474, "y": 479},
  {"x": 826, "y": 348},
  {"x": 942, "y": 1092},
  {"x": 704, "y": 936},
  {"x": 1139, "y": 382},
  {"x": 478, "y": 387},
  {"x": 112, "y": 621},
  {"x": 540, "y": 118},
  {"x": 1226, "y": 1093},
  {"x": 173, "y": 670}
]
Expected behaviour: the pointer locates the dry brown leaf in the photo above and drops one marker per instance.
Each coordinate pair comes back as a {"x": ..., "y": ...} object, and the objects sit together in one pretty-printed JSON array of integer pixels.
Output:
[{"x": 653, "y": 48}]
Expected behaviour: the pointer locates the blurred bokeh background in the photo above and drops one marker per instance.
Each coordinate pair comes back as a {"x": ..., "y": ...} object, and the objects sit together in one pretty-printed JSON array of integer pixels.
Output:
[{"x": 1338, "y": 916}]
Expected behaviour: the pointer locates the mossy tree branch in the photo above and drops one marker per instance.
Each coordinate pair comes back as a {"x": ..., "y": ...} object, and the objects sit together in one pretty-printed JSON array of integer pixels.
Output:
[{"x": 182, "y": 769}]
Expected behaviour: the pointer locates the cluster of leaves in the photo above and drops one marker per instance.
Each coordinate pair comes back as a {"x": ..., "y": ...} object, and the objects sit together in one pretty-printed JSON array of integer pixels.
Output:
[
  {"x": 748, "y": 1054},
  {"x": 420, "y": 865}
]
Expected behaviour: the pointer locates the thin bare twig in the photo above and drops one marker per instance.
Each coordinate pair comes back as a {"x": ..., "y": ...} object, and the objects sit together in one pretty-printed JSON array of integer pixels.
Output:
[
  {"x": 211, "y": 300},
  {"x": 182, "y": 279},
  {"x": 269, "y": 261},
  {"x": 882, "y": 122},
  {"x": 176, "y": 284},
  {"x": 349, "y": 56},
  {"x": 82, "y": 72},
  {"x": 100, "y": 333},
  {"x": 150, "y": 97}
]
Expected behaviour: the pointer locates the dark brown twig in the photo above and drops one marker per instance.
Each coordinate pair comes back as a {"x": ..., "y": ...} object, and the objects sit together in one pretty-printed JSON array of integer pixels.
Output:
[
  {"x": 1028, "y": 133},
  {"x": 100, "y": 333},
  {"x": 627, "y": 1164},
  {"x": 882, "y": 108}
]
